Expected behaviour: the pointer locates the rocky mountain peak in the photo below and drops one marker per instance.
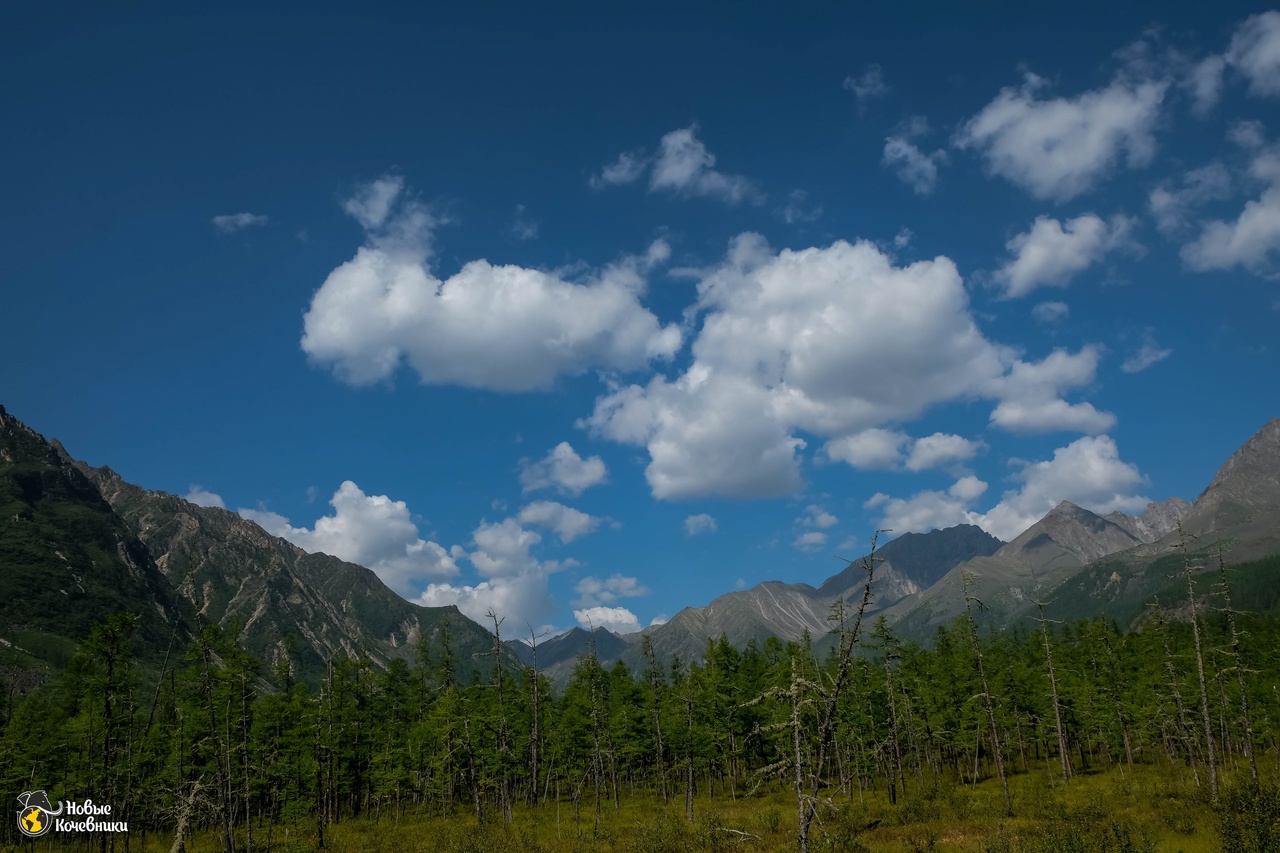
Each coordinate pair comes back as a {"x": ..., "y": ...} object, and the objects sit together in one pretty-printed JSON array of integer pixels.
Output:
[
  {"x": 914, "y": 561},
  {"x": 1244, "y": 493},
  {"x": 1252, "y": 473},
  {"x": 1084, "y": 534},
  {"x": 1159, "y": 518}
]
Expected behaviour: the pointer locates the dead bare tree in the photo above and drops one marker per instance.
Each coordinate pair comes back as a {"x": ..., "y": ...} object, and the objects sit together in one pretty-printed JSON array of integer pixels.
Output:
[
  {"x": 1188, "y": 571},
  {"x": 1175, "y": 692},
  {"x": 535, "y": 704},
  {"x": 805, "y": 691},
  {"x": 1238, "y": 664},
  {"x": 968, "y": 580},
  {"x": 503, "y": 735},
  {"x": 1053, "y": 692}
]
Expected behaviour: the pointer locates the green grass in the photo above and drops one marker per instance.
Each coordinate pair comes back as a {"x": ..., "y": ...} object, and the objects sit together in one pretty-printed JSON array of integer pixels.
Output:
[{"x": 1134, "y": 811}]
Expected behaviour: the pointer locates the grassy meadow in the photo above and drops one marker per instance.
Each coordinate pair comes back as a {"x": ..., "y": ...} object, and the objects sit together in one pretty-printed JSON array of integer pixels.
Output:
[{"x": 1117, "y": 810}]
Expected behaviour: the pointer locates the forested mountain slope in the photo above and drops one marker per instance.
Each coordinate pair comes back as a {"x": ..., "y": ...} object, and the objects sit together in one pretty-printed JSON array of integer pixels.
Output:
[
  {"x": 67, "y": 560},
  {"x": 78, "y": 543}
]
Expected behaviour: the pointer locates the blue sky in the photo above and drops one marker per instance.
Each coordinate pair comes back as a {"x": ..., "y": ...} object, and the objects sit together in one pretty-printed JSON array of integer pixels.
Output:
[{"x": 589, "y": 314}]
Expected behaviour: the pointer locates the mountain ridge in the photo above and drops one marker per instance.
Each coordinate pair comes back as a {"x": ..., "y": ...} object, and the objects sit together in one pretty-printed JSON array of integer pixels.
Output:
[
  {"x": 90, "y": 544},
  {"x": 86, "y": 535},
  {"x": 233, "y": 571}
]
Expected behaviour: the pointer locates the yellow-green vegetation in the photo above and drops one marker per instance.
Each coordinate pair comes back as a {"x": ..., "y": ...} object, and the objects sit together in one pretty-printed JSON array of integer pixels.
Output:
[{"x": 1146, "y": 808}]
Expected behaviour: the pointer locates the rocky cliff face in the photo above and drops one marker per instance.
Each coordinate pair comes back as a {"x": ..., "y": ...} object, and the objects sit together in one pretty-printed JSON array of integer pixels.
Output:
[
  {"x": 235, "y": 573},
  {"x": 79, "y": 543},
  {"x": 1243, "y": 499},
  {"x": 1068, "y": 533},
  {"x": 67, "y": 561},
  {"x": 1159, "y": 519}
]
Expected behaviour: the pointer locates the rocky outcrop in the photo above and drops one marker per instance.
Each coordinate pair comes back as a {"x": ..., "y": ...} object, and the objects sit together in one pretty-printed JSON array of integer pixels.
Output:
[
  {"x": 1159, "y": 519},
  {"x": 234, "y": 573}
]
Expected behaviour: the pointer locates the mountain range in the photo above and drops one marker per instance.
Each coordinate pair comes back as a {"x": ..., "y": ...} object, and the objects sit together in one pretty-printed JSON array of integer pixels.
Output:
[
  {"x": 79, "y": 542},
  {"x": 1077, "y": 562}
]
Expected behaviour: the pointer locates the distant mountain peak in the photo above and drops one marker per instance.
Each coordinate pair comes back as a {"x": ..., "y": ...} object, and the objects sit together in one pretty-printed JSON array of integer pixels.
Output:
[
  {"x": 1245, "y": 492},
  {"x": 1084, "y": 534},
  {"x": 1157, "y": 520},
  {"x": 1257, "y": 459}
]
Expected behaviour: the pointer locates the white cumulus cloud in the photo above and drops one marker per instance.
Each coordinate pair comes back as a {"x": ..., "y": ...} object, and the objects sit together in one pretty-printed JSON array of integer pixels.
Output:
[
  {"x": 913, "y": 166},
  {"x": 941, "y": 449},
  {"x": 683, "y": 165},
  {"x": 1052, "y": 252},
  {"x": 373, "y": 531},
  {"x": 619, "y": 620},
  {"x": 515, "y": 580},
  {"x": 627, "y": 169},
  {"x": 1057, "y": 147},
  {"x": 200, "y": 496},
  {"x": 521, "y": 600},
  {"x": 567, "y": 522},
  {"x": 504, "y": 328},
  {"x": 1254, "y": 237},
  {"x": 1050, "y": 312},
  {"x": 930, "y": 509},
  {"x": 816, "y": 516},
  {"x": 563, "y": 469},
  {"x": 871, "y": 449},
  {"x": 1146, "y": 355},
  {"x": 825, "y": 341},
  {"x": 811, "y": 540},
  {"x": 593, "y": 591},
  {"x": 1031, "y": 395},
  {"x": 700, "y": 523},
  {"x": 1088, "y": 472},
  {"x": 1255, "y": 53},
  {"x": 885, "y": 449}
]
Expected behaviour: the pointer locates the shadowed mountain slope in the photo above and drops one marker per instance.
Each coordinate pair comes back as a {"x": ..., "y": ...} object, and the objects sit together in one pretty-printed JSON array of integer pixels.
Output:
[
  {"x": 67, "y": 560},
  {"x": 235, "y": 573}
]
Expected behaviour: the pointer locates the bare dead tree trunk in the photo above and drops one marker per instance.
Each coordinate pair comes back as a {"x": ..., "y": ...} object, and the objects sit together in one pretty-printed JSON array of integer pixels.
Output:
[
  {"x": 1053, "y": 691},
  {"x": 1115, "y": 697},
  {"x": 504, "y": 745},
  {"x": 655, "y": 684},
  {"x": 1176, "y": 693},
  {"x": 848, "y": 640},
  {"x": 987, "y": 702},
  {"x": 895, "y": 752},
  {"x": 535, "y": 703},
  {"x": 797, "y": 744},
  {"x": 1238, "y": 662},
  {"x": 1204, "y": 692},
  {"x": 688, "y": 754}
]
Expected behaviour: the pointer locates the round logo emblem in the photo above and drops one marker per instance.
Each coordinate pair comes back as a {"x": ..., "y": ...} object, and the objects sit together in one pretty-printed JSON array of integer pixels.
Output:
[{"x": 35, "y": 818}]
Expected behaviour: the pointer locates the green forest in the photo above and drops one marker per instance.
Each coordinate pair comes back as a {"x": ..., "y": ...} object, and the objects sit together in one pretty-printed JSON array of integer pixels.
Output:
[{"x": 1035, "y": 737}]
